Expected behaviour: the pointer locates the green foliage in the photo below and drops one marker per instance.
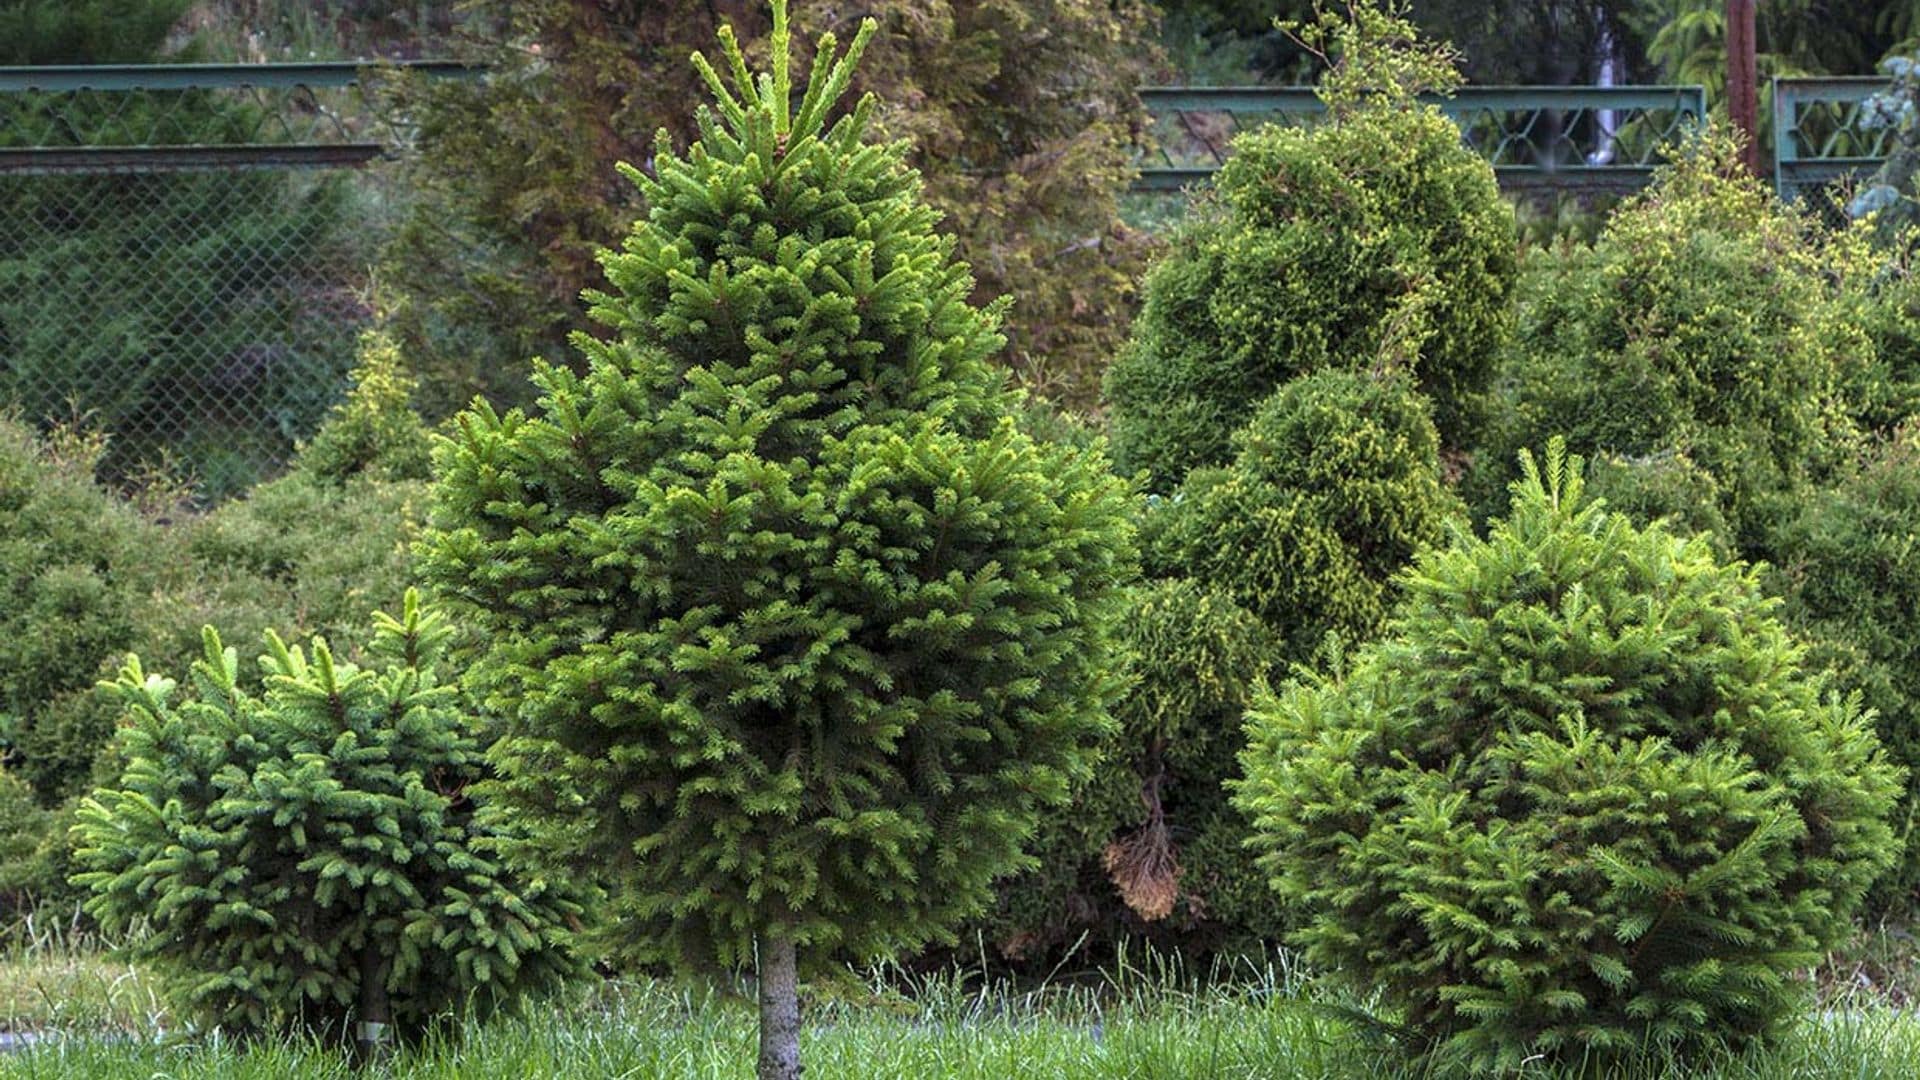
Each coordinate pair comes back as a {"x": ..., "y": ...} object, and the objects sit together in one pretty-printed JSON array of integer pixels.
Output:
[
  {"x": 85, "y": 31},
  {"x": 1022, "y": 114},
  {"x": 27, "y": 836},
  {"x": 86, "y": 577},
  {"x": 1704, "y": 322},
  {"x": 1335, "y": 487},
  {"x": 375, "y": 431},
  {"x": 795, "y": 631},
  {"x": 1848, "y": 567},
  {"x": 1122, "y": 858},
  {"x": 1581, "y": 800},
  {"x": 291, "y": 845},
  {"x": 1374, "y": 234},
  {"x": 71, "y": 586}
]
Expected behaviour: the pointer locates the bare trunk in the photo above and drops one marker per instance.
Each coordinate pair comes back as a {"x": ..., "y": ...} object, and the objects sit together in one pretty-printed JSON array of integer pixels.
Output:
[
  {"x": 372, "y": 1038},
  {"x": 779, "y": 1010}
]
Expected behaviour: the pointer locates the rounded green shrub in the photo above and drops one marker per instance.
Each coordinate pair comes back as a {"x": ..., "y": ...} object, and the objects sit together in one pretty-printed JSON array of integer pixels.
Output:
[
  {"x": 73, "y": 577},
  {"x": 1582, "y": 799},
  {"x": 1849, "y": 566},
  {"x": 1703, "y": 322},
  {"x": 1372, "y": 233},
  {"x": 313, "y": 853},
  {"x": 1336, "y": 484}
]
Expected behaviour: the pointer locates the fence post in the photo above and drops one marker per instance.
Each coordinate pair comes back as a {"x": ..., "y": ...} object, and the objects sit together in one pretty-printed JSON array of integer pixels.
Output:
[{"x": 1743, "y": 80}]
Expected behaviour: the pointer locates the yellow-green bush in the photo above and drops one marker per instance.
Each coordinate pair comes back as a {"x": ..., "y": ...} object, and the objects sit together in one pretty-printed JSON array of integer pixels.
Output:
[
  {"x": 1704, "y": 322},
  {"x": 1373, "y": 233}
]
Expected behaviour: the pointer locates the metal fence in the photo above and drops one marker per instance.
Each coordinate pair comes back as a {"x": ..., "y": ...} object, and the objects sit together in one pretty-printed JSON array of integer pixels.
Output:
[
  {"x": 1822, "y": 143},
  {"x": 1586, "y": 140},
  {"x": 184, "y": 254}
]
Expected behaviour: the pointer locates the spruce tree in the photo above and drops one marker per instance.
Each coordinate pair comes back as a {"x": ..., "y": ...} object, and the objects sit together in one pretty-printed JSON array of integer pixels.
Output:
[
  {"x": 311, "y": 854},
  {"x": 1580, "y": 801},
  {"x": 795, "y": 631}
]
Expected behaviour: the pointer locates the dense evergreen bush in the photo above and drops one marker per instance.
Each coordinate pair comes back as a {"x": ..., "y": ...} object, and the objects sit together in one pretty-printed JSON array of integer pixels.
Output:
[
  {"x": 1131, "y": 854},
  {"x": 1335, "y": 486},
  {"x": 1848, "y": 564},
  {"x": 795, "y": 631},
  {"x": 1371, "y": 233},
  {"x": 311, "y": 854},
  {"x": 1704, "y": 322},
  {"x": 87, "y": 576},
  {"x": 1581, "y": 799},
  {"x": 72, "y": 586}
]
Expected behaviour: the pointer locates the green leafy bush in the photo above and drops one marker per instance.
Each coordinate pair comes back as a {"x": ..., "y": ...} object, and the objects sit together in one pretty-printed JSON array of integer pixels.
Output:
[
  {"x": 1122, "y": 857},
  {"x": 1581, "y": 799},
  {"x": 1848, "y": 566},
  {"x": 87, "y": 576},
  {"x": 1371, "y": 234},
  {"x": 1703, "y": 322},
  {"x": 1335, "y": 486},
  {"x": 311, "y": 853},
  {"x": 72, "y": 583},
  {"x": 797, "y": 633}
]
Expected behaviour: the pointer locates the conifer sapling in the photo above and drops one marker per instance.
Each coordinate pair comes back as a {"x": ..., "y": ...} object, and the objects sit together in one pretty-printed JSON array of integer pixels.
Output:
[{"x": 796, "y": 632}]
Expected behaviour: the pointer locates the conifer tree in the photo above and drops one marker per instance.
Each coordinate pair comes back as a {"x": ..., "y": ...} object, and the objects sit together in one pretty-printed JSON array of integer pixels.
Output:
[
  {"x": 796, "y": 632},
  {"x": 1581, "y": 800},
  {"x": 311, "y": 854}
]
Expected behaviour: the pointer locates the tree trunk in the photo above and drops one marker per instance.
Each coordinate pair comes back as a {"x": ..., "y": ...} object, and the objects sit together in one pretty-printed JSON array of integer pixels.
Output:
[
  {"x": 779, "y": 1010},
  {"x": 371, "y": 1039}
]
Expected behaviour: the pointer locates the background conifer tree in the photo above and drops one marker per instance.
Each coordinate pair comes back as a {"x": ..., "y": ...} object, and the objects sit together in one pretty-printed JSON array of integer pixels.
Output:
[{"x": 796, "y": 631}]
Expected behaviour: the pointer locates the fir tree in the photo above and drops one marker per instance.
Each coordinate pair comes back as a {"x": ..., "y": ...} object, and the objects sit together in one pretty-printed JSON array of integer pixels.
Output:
[
  {"x": 312, "y": 853},
  {"x": 796, "y": 631}
]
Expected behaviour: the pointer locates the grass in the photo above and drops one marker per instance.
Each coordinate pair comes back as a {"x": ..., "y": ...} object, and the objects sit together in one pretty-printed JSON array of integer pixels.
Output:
[{"x": 99, "y": 1019}]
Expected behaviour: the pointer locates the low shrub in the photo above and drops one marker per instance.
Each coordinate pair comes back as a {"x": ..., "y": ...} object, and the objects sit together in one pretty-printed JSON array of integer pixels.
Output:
[
  {"x": 1582, "y": 798},
  {"x": 313, "y": 852},
  {"x": 1849, "y": 566}
]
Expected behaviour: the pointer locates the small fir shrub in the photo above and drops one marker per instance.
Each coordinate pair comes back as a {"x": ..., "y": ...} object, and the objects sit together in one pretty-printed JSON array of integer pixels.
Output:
[
  {"x": 1849, "y": 567},
  {"x": 795, "y": 631},
  {"x": 1704, "y": 322},
  {"x": 1335, "y": 486},
  {"x": 312, "y": 853},
  {"x": 1372, "y": 233},
  {"x": 1582, "y": 799}
]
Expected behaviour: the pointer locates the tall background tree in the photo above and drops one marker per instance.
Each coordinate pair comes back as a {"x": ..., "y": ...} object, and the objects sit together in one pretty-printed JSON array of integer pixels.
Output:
[{"x": 1023, "y": 118}]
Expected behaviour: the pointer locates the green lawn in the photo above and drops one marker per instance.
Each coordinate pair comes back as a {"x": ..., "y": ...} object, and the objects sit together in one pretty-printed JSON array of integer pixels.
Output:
[{"x": 97, "y": 1020}]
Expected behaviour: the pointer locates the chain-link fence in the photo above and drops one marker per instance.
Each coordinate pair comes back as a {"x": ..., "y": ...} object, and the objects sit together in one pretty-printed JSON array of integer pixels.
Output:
[{"x": 185, "y": 255}]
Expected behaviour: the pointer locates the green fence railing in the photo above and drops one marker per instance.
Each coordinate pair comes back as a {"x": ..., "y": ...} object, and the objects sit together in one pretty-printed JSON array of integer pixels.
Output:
[
  {"x": 1538, "y": 138},
  {"x": 1820, "y": 134},
  {"x": 185, "y": 251}
]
